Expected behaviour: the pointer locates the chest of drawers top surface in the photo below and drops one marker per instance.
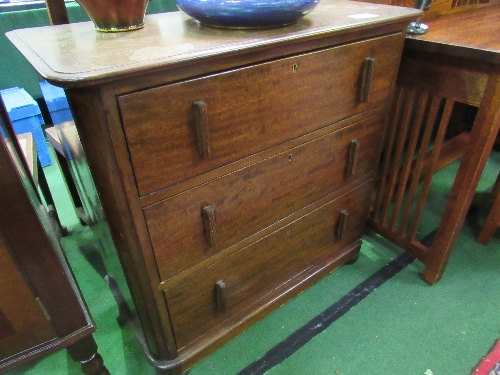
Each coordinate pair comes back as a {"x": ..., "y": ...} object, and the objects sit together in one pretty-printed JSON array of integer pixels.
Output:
[{"x": 76, "y": 55}]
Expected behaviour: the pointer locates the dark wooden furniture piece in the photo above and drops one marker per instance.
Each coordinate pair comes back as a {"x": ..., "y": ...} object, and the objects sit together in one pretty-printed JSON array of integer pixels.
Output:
[
  {"x": 41, "y": 309},
  {"x": 457, "y": 61},
  {"x": 235, "y": 168}
]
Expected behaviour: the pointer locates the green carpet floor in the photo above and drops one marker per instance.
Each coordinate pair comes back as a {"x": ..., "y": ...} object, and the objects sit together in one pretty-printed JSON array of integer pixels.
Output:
[{"x": 403, "y": 327}]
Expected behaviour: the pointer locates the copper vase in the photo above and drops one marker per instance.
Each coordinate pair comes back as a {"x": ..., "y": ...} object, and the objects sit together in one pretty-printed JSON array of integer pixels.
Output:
[{"x": 115, "y": 15}]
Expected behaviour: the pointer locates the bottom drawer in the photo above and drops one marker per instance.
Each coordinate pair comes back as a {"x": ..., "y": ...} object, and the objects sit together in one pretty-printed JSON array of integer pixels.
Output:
[{"x": 227, "y": 291}]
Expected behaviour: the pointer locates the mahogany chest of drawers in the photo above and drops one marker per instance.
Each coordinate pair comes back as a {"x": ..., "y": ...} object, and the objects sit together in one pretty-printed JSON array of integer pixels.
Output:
[{"x": 235, "y": 167}]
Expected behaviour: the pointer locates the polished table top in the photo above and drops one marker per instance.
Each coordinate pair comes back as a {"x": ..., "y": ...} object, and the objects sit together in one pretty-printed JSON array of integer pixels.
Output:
[{"x": 473, "y": 34}]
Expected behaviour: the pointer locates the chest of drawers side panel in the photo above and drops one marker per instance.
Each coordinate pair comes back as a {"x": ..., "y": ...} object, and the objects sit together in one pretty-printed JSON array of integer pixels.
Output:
[{"x": 99, "y": 127}]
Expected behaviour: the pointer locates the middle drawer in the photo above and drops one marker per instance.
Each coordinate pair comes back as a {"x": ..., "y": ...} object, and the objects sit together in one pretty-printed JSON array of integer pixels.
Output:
[{"x": 192, "y": 226}]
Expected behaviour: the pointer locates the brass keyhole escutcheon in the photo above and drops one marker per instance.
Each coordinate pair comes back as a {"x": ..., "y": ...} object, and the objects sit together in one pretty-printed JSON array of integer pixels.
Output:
[
  {"x": 294, "y": 68},
  {"x": 290, "y": 157}
]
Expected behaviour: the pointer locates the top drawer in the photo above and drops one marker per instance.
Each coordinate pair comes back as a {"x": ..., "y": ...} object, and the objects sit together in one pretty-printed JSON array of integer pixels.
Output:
[{"x": 183, "y": 129}]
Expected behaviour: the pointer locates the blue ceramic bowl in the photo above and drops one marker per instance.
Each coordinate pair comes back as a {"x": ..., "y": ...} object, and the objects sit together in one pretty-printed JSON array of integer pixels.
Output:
[{"x": 246, "y": 13}]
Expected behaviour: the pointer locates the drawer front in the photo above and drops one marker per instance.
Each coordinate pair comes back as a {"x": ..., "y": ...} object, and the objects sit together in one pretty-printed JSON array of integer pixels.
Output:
[
  {"x": 193, "y": 226},
  {"x": 180, "y": 130},
  {"x": 230, "y": 289}
]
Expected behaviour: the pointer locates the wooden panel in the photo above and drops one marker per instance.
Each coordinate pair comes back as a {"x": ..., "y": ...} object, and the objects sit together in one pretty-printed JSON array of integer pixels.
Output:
[
  {"x": 38, "y": 254},
  {"x": 262, "y": 270},
  {"x": 443, "y": 77},
  {"x": 23, "y": 324},
  {"x": 255, "y": 197},
  {"x": 250, "y": 109},
  {"x": 6, "y": 327}
]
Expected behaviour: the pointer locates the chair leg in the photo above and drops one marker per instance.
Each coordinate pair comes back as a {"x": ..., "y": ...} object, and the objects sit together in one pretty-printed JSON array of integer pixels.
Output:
[{"x": 493, "y": 218}]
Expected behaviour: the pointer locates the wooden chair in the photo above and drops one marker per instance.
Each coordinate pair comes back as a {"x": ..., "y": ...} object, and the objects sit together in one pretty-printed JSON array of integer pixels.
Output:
[
  {"x": 438, "y": 70},
  {"x": 493, "y": 218},
  {"x": 415, "y": 150}
]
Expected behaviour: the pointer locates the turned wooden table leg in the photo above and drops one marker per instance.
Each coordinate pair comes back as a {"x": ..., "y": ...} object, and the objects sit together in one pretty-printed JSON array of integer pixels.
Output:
[
  {"x": 482, "y": 137},
  {"x": 85, "y": 352}
]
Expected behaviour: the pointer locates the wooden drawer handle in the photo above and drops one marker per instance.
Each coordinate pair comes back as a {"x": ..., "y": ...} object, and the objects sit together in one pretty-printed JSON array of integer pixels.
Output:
[
  {"x": 210, "y": 222},
  {"x": 366, "y": 79},
  {"x": 221, "y": 296},
  {"x": 342, "y": 224},
  {"x": 352, "y": 158},
  {"x": 202, "y": 130}
]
